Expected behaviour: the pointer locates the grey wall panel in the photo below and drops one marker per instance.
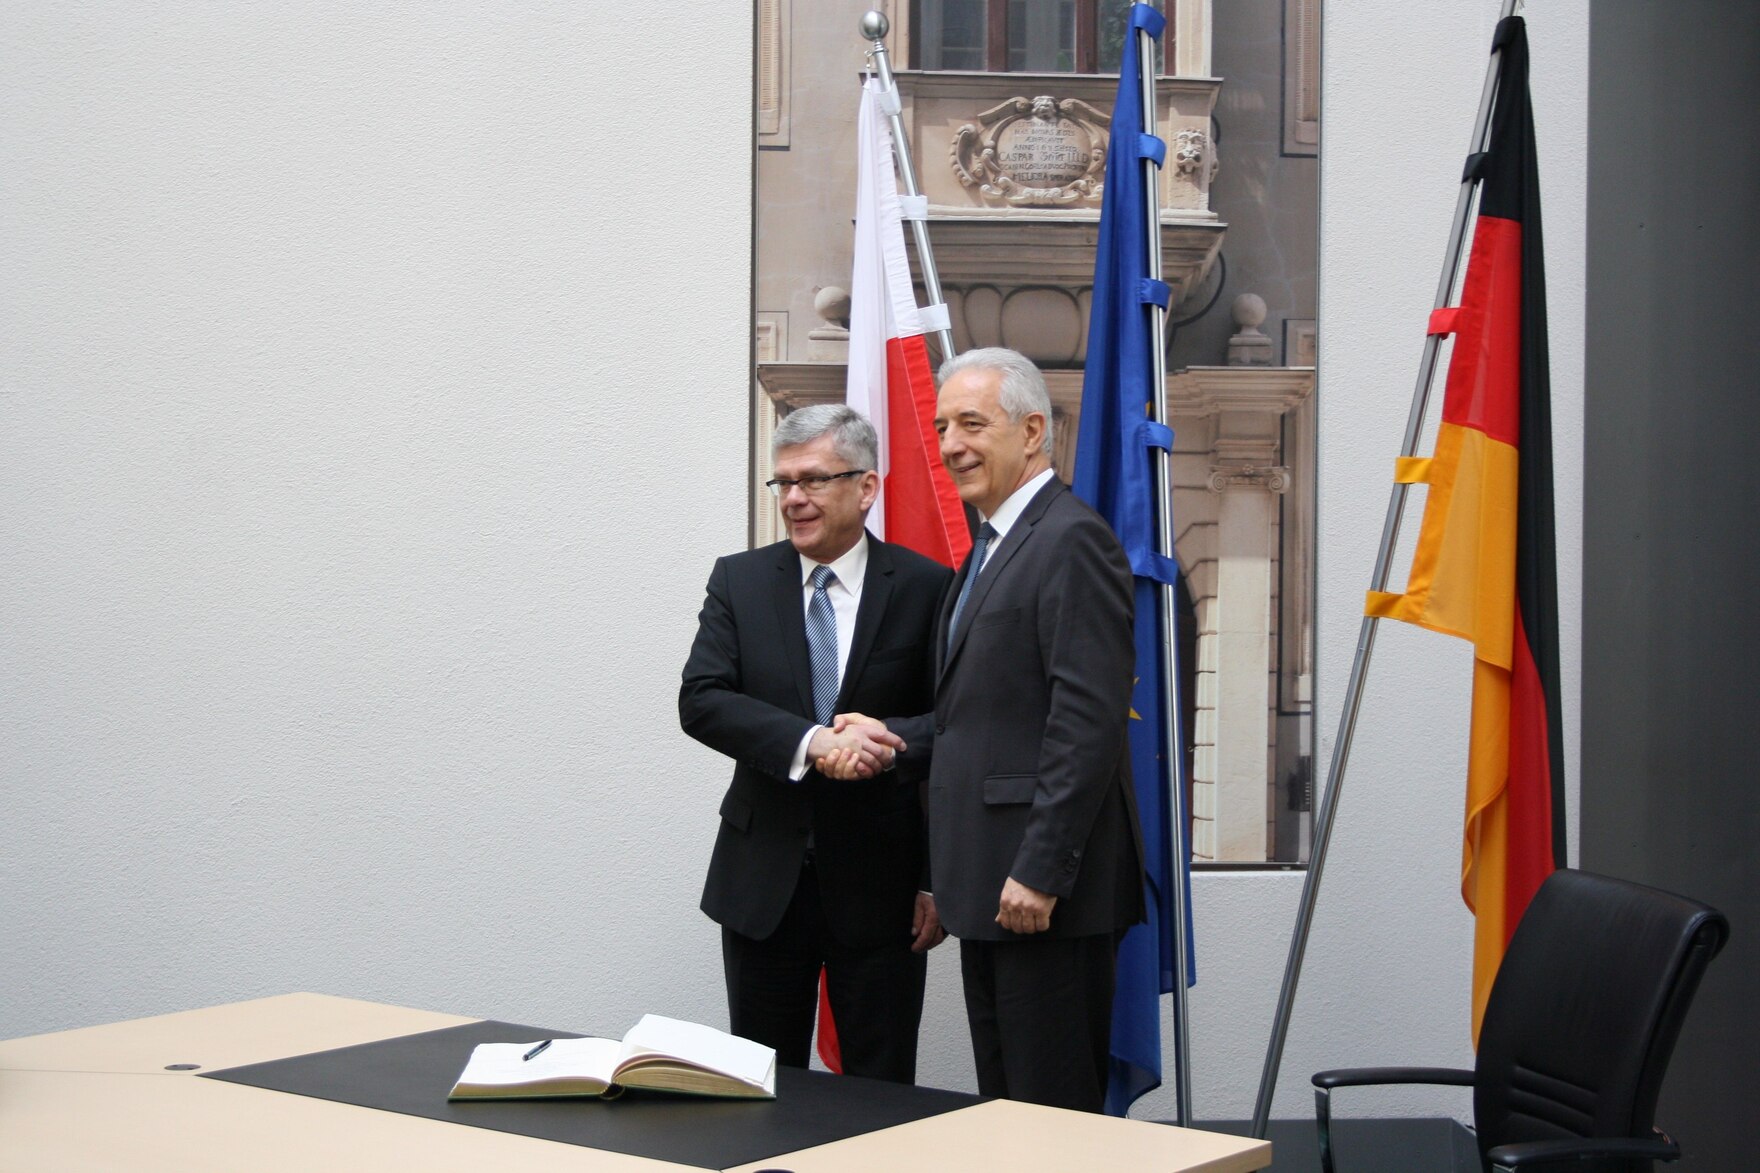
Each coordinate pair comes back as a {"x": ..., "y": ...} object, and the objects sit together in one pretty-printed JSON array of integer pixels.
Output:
[{"x": 1671, "y": 603}]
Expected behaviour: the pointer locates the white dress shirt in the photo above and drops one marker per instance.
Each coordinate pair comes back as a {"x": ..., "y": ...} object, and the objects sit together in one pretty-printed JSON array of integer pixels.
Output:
[
  {"x": 1010, "y": 511},
  {"x": 846, "y": 598}
]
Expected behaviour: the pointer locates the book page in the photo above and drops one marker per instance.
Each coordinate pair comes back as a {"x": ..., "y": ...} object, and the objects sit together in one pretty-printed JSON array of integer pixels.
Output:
[
  {"x": 658, "y": 1037},
  {"x": 579, "y": 1067}
]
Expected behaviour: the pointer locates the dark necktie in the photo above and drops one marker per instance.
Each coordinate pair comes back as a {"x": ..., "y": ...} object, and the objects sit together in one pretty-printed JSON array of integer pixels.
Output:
[
  {"x": 822, "y": 645},
  {"x": 976, "y": 563}
]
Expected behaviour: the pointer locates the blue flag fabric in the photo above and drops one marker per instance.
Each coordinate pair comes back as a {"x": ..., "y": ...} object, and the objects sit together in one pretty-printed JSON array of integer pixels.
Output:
[{"x": 1115, "y": 474}]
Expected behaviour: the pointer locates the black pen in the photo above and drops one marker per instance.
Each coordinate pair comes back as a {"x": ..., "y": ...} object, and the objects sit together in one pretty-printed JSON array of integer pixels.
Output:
[{"x": 536, "y": 1051}]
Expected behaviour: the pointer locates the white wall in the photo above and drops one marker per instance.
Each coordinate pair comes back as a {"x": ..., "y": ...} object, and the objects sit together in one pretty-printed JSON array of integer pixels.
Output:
[
  {"x": 372, "y": 404},
  {"x": 374, "y": 398}
]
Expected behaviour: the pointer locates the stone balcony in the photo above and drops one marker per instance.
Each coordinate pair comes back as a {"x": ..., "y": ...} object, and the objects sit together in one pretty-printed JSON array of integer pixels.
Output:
[{"x": 1012, "y": 166}]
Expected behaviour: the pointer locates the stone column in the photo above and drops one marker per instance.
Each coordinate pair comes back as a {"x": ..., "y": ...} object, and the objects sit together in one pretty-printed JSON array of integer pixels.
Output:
[
  {"x": 1246, "y": 521},
  {"x": 1232, "y": 777}
]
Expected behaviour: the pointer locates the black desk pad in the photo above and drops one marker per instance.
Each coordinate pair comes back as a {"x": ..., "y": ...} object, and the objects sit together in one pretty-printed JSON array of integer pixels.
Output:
[{"x": 413, "y": 1073}]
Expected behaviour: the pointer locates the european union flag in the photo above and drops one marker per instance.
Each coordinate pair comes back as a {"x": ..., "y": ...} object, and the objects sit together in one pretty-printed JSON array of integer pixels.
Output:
[{"x": 1115, "y": 474}]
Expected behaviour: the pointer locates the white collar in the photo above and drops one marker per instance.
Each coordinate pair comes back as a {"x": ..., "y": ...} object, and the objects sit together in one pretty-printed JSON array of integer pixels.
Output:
[
  {"x": 849, "y": 567},
  {"x": 1010, "y": 510}
]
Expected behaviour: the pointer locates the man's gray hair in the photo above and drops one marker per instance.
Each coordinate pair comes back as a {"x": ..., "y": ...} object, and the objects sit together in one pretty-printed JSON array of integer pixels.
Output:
[
  {"x": 852, "y": 436},
  {"x": 1023, "y": 386}
]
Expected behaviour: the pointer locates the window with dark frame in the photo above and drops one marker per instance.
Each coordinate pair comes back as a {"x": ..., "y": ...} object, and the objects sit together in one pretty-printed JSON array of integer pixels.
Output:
[{"x": 1022, "y": 36}]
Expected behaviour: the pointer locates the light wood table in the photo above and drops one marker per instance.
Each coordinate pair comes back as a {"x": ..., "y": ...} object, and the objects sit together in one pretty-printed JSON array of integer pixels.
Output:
[
  {"x": 1010, "y": 1137},
  {"x": 102, "y": 1098}
]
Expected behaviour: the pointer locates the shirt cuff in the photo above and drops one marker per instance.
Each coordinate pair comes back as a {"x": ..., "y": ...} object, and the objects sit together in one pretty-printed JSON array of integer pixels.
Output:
[{"x": 797, "y": 767}]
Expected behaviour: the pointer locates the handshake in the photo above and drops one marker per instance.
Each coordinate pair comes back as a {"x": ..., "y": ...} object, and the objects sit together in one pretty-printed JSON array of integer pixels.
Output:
[{"x": 854, "y": 747}]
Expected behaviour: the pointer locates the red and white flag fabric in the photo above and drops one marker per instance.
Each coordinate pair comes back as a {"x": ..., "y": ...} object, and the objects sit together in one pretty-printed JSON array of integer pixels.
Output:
[
  {"x": 891, "y": 383},
  {"x": 889, "y": 377}
]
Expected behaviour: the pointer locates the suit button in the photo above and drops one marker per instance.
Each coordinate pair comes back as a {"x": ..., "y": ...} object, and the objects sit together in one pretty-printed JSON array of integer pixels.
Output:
[{"x": 940, "y": 729}]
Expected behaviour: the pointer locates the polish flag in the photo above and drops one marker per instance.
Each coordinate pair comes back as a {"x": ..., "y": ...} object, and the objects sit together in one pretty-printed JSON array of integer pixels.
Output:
[
  {"x": 889, "y": 377},
  {"x": 891, "y": 383}
]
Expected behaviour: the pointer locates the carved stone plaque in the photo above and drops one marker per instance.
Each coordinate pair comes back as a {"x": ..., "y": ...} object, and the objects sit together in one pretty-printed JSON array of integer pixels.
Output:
[
  {"x": 1035, "y": 152},
  {"x": 1044, "y": 151}
]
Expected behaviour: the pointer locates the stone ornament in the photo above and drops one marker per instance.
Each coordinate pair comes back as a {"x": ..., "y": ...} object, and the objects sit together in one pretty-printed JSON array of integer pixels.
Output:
[
  {"x": 1250, "y": 347},
  {"x": 1194, "y": 156},
  {"x": 1034, "y": 152},
  {"x": 831, "y": 303},
  {"x": 1223, "y": 477}
]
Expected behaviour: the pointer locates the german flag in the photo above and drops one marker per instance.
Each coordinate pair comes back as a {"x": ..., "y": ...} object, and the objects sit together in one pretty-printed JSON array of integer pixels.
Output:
[{"x": 1485, "y": 568}]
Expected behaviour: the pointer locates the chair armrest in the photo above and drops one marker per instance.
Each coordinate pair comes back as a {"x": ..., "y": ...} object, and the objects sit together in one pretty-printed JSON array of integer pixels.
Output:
[
  {"x": 1526, "y": 1153},
  {"x": 1325, "y": 1081},
  {"x": 1365, "y": 1076}
]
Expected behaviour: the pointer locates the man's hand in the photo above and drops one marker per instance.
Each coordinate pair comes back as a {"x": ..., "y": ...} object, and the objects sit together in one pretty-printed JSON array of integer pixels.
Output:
[
  {"x": 1024, "y": 909},
  {"x": 854, "y": 747},
  {"x": 926, "y": 925},
  {"x": 846, "y": 755}
]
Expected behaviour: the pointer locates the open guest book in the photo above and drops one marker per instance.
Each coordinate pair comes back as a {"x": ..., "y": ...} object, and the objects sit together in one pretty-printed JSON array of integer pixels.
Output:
[{"x": 662, "y": 1054}]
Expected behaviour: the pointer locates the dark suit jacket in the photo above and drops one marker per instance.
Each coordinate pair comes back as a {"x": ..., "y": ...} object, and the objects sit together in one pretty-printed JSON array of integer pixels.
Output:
[
  {"x": 748, "y": 693},
  {"x": 1030, "y": 764}
]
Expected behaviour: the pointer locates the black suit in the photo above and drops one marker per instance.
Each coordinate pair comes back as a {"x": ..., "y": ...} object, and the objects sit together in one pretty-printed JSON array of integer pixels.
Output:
[
  {"x": 1030, "y": 779},
  {"x": 747, "y": 692}
]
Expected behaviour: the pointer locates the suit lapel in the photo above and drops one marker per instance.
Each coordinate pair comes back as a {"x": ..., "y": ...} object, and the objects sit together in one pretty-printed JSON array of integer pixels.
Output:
[
  {"x": 791, "y": 619},
  {"x": 876, "y": 591},
  {"x": 948, "y": 599},
  {"x": 995, "y": 565}
]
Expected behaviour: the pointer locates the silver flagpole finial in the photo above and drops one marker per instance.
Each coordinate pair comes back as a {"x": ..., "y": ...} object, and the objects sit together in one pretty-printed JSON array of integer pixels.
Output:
[{"x": 875, "y": 25}]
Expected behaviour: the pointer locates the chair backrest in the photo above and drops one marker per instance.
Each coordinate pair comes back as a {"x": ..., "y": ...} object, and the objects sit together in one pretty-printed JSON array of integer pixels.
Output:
[{"x": 1586, "y": 1009}]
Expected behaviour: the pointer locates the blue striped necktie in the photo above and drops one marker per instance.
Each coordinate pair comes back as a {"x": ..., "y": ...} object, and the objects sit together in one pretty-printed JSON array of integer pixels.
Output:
[
  {"x": 979, "y": 549},
  {"x": 822, "y": 645}
]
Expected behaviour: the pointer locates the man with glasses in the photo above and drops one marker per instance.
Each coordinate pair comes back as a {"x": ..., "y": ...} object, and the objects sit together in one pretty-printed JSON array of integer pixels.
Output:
[{"x": 809, "y": 872}]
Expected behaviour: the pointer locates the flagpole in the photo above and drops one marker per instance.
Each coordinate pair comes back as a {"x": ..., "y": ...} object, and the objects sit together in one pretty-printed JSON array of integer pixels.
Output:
[
  {"x": 874, "y": 28},
  {"x": 1176, "y": 806},
  {"x": 1396, "y": 503}
]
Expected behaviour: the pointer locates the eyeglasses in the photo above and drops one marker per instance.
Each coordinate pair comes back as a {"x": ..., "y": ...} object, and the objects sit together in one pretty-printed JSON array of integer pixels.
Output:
[{"x": 811, "y": 486}]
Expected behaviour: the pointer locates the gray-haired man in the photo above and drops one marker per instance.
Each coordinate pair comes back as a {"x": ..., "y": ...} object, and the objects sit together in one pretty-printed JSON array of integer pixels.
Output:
[
  {"x": 808, "y": 871},
  {"x": 1033, "y": 831}
]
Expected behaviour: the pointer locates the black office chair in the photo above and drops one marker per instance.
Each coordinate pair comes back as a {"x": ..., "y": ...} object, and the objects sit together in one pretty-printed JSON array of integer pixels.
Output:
[{"x": 1578, "y": 1030}]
